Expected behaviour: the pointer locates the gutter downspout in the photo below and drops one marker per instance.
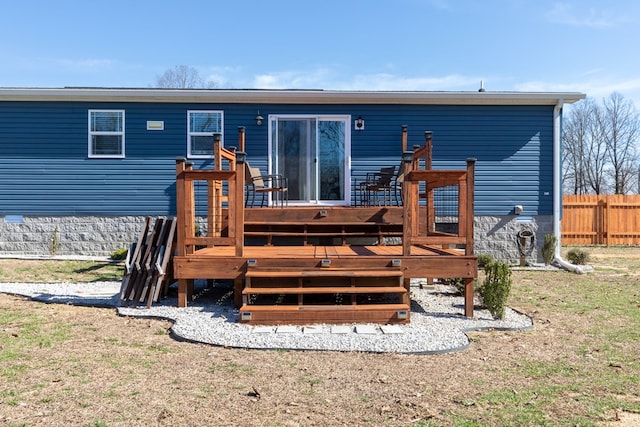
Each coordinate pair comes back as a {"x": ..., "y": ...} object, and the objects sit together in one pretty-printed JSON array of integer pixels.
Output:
[{"x": 557, "y": 192}]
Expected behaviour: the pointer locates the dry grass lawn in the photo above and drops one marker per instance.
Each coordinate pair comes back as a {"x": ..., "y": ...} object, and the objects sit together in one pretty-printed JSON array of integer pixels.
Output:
[{"x": 579, "y": 366}]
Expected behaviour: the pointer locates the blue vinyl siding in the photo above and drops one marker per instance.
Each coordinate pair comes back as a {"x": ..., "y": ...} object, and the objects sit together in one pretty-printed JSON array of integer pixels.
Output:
[
  {"x": 45, "y": 169},
  {"x": 41, "y": 186},
  {"x": 512, "y": 144}
]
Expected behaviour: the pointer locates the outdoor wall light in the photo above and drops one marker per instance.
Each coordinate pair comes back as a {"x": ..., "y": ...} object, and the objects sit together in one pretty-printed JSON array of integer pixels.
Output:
[
  {"x": 359, "y": 123},
  {"x": 259, "y": 119}
]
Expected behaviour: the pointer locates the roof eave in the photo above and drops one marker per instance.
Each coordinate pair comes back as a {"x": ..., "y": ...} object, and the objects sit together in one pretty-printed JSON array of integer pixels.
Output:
[{"x": 287, "y": 96}]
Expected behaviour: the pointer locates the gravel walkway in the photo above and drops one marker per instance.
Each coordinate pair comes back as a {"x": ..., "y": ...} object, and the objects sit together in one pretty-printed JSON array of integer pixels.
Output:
[{"x": 437, "y": 324}]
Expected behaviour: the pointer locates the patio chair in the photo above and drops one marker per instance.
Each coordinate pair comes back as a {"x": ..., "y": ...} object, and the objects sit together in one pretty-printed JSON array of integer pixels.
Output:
[
  {"x": 377, "y": 188},
  {"x": 396, "y": 184},
  {"x": 276, "y": 185}
]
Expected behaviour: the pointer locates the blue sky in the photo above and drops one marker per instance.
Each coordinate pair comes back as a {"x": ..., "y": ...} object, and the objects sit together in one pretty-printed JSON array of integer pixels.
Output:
[{"x": 587, "y": 46}]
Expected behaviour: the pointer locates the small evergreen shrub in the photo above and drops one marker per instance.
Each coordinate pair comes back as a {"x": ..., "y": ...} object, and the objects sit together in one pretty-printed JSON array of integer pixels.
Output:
[
  {"x": 119, "y": 254},
  {"x": 549, "y": 248},
  {"x": 496, "y": 288},
  {"x": 484, "y": 260},
  {"x": 577, "y": 256}
]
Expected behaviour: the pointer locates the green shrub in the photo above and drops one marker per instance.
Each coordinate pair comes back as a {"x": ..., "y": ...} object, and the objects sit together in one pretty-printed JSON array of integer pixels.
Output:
[
  {"x": 577, "y": 257},
  {"x": 496, "y": 288},
  {"x": 484, "y": 260},
  {"x": 549, "y": 248},
  {"x": 119, "y": 254}
]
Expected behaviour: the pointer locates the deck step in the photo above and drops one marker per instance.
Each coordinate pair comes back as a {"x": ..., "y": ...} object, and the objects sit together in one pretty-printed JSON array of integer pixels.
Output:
[
  {"x": 325, "y": 290},
  {"x": 328, "y": 272},
  {"x": 309, "y": 314}
]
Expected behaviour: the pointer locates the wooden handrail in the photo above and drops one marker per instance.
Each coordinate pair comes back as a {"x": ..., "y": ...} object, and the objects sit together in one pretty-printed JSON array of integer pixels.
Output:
[
  {"x": 207, "y": 175},
  {"x": 433, "y": 179}
]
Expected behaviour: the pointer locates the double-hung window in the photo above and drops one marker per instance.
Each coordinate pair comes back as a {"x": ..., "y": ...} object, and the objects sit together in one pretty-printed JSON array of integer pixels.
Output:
[
  {"x": 106, "y": 133},
  {"x": 203, "y": 126}
]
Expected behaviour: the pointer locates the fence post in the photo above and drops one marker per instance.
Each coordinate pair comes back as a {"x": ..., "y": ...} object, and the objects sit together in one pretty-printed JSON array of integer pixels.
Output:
[
  {"x": 601, "y": 225},
  {"x": 607, "y": 228}
]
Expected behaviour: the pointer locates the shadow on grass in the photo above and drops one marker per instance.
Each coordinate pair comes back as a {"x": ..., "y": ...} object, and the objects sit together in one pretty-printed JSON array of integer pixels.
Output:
[{"x": 101, "y": 272}]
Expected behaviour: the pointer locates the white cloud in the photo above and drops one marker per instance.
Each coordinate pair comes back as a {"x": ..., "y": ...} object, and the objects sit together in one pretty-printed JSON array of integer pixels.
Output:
[
  {"x": 590, "y": 82},
  {"x": 386, "y": 81},
  {"x": 327, "y": 79},
  {"x": 313, "y": 79},
  {"x": 564, "y": 13},
  {"x": 593, "y": 87},
  {"x": 220, "y": 76}
]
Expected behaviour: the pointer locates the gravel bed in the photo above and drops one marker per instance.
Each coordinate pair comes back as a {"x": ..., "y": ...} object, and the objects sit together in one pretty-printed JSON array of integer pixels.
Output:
[{"x": 437, "y": 323}]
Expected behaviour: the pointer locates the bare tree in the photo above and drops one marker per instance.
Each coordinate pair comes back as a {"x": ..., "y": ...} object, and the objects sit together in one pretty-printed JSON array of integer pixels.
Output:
[
  {"x": 574, "y": 138},
  {"x": 183, "y": 77},
  {"x": 585, "y": 155},
  {"x": 600, "y": 147},
  {"x": 620, "y": 129}
]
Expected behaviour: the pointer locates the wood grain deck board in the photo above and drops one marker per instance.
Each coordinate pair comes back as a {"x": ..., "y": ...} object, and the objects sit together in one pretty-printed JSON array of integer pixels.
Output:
[{"x": 323, "y": 251}]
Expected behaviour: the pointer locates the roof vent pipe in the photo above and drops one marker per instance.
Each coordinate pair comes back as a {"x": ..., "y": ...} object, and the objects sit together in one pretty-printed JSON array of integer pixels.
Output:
[{"x": 481, "y": 86}]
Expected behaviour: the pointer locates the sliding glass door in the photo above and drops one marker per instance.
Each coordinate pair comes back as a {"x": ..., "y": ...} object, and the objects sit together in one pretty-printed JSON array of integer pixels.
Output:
[{"x": 313, "y": 153}]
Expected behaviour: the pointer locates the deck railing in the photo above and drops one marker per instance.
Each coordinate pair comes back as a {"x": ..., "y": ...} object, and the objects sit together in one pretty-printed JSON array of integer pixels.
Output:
[
  {"x": 437, "y": 204},
  {"x": 224, "y": 185},
  {"x": 420, "y": 219},
  {"x": 431, "y": 198}
]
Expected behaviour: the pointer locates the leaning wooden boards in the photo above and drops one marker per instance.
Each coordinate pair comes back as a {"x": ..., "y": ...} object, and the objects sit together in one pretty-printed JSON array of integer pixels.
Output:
[{"x": 148, "y": 260}]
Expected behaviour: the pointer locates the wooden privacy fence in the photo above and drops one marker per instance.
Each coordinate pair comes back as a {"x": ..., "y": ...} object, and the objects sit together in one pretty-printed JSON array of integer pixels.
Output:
[{"x": 601, "y": 219}]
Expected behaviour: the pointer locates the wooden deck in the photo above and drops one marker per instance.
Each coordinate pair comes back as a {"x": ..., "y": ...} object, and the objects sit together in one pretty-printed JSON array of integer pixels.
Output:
[
  {"x": 424, "y": 261},
  {"x": 324, "y": 264}
]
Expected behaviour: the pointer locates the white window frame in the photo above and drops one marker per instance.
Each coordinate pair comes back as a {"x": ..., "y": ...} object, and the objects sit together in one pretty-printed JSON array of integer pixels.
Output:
[
  {"x": 190, "y": 134},
  {"x": 109, "y": 133}
]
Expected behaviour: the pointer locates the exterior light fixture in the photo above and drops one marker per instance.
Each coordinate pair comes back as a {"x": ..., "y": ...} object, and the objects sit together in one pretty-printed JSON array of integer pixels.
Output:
[
  {"x": 259, "y": 119},
  {"x": 359, "y": 123}
]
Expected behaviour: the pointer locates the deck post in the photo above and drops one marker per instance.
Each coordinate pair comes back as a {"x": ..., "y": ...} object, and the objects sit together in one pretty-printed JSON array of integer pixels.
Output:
[
  {"x": 238, "y": 200},
  {"x": 470, "y": 215},
  {"x": 428, "y": 143},
  {"x": 214, "y": 208},
  {"x": 241, "y": 138},
  {"x": 410, "y": 204},
  {"x": 468, "y": 297},
  {"x": 428, "y": 165},
  {"x": 184, "y": 206},
  {"x": 404, "y": 138},
  {"x": 469, "y": 249}
]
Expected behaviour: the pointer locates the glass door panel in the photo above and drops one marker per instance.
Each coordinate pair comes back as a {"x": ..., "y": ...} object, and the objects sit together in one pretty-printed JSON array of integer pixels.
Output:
[
  {"x": 331, "y": 159},
  {"x": 311, "y": 153},
  {"x": 293, "y": 151}
]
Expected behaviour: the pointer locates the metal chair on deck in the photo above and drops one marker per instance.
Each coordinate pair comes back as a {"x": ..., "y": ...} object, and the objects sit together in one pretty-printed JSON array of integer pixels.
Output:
[
  {"x": 377, "y": 188},
  {"x": 276, "y": 185}
]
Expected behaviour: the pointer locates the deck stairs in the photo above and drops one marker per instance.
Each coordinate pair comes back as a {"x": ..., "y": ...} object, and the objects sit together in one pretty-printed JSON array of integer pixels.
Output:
[{"x": 296, "y": 295}]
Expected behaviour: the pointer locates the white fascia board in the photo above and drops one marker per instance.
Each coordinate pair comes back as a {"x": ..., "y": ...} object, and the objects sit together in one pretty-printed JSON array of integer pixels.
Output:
[{"x": 287, "y": 96}]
